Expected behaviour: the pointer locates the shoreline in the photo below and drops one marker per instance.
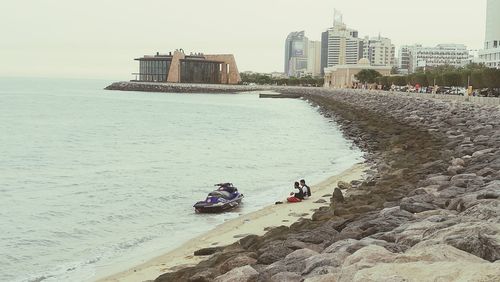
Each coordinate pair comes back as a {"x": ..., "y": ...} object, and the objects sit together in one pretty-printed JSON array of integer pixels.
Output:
[
  {"x": 428, "y": 208},
  {"x": 255, "y": 223}
]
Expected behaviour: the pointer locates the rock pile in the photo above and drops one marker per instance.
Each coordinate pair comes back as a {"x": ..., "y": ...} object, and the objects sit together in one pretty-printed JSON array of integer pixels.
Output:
[
  {"x": 182, "y": 87},
  {"x": 429, "y": 210}
]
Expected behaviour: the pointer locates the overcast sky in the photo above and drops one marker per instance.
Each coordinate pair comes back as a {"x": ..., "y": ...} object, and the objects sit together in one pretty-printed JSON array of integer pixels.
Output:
[{"x": 99, "y": 38}]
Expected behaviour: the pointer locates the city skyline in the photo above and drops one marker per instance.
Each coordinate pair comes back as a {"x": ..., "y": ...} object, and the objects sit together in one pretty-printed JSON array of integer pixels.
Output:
[{"x": 99, "y": 39}]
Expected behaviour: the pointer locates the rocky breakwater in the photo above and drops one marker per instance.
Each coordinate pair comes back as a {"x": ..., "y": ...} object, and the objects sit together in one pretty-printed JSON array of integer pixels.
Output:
[
  {"x": 183, "y": 87},
  {"x": 428, "y": 211}
]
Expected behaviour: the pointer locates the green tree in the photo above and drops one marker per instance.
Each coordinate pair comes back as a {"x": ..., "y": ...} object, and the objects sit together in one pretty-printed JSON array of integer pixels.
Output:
[
  {"x": 452, "y": 78},
  {"x": 367, "y": 76}
]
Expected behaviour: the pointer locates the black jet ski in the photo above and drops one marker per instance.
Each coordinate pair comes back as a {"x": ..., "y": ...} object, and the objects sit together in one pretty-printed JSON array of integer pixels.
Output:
[{"x": 225, "y": 198}]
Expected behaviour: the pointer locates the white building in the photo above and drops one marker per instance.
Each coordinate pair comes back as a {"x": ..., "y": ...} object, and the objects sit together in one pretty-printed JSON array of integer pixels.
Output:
[
  {"x": 340, "y": 45},
  {"x": 416, "y": 56},
  {"x": 379, "y": 51},
  {"x": 490, "y": 55},
  {"x": 314, "y": 58},
  {"x": 404, "y": 58}
]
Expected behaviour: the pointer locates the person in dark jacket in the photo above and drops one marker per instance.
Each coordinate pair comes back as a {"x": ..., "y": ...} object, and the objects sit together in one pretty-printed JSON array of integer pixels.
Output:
[
  {"x": 305, "y": 189},
  {"x": 300, "y": 194}
]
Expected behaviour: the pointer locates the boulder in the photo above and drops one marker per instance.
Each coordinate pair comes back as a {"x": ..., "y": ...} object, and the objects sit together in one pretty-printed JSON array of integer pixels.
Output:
[
  {"x": 325, "y": 259},
  {"x": 458, "y": 162},
  {"x": 294, "y": 262},
  {"x": 412, "y": 206},
  {"x": 488, "y": 209},
  {"x": 203, "y": 276},
  {"x": 455, "y": 169},
  {"x": 344, "y": 185},
  {"x": 238, "y": 261},
  {"x": 272, "y": 252},
  {"x": 208, "y": 251},
  {"x": 286, "y": 277},
  {"x": 330, "y": 277},
  {"x": 431, "y": 263},
  {"x": 422, "y": 271},
  {"x": 481, "y": 153},
  {"x": 241, "y": 274},
  {"x": 337, "y": 197},
  {"x": 475, "y": 237},
  {"x": 464, "y": 180}
]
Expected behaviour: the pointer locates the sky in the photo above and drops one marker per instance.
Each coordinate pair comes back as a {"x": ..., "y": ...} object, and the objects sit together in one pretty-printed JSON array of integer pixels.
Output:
[{"x": 100, "y": 38}]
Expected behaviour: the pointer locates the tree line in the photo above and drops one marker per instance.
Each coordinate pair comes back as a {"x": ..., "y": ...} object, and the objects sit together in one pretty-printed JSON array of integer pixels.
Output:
[
  {"x": 476, "y": 75},
  {"x": 263, "y": 79}
]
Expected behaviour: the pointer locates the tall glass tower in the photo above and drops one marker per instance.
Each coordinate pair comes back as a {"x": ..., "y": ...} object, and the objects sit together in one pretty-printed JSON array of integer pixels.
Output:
[{"x": 296, "y": 47}]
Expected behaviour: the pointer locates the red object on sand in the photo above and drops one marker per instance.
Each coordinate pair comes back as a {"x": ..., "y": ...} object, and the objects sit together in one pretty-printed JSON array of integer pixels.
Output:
[{"x": 293, "y": 200}]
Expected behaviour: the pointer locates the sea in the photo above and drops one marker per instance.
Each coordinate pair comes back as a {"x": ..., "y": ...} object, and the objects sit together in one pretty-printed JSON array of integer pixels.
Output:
[{"x": 95, "y": 181}]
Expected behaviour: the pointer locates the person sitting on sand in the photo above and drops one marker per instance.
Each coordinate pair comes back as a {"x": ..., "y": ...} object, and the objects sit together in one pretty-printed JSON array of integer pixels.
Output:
[
  {"x": 306, "y": 189},
  {"x": 296, "y": 197}
]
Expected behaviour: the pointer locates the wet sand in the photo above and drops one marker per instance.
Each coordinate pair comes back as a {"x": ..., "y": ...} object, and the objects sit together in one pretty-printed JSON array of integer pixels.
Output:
[{"x": 231, "y": 231}]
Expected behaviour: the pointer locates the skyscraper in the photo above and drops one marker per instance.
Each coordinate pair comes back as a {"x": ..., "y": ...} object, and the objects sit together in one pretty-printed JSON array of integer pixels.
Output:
[
  {"x": 314, "y": 58},
  {"x": 340, "y": 45},
  {"x": 296, "y": 47},
  {"x": 490, "y": 55}
]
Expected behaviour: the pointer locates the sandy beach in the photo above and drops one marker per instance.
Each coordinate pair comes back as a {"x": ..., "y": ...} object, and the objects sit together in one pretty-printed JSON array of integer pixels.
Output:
[{"x": 231, "y": 231}]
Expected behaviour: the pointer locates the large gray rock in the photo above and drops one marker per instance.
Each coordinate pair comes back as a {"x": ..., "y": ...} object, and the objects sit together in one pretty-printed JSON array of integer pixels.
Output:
[
  {"x": 330, "y": 277},
  {"x": 434, "y": 263},
  {"x": 466, "y": 180},
  {"x": 286, "y": 277},
  {"x": 238, "y": 261},
  {"x": 272, "y": 252},
  {"x": 240, "y": 274},
  {"x": 337, "y": 197},
  {"x": 458, "y": 162},
  {"x": 487, "y": 209},
  {"x": 294, "y": 262},
  {"x": 475, "y": 237},
  {"x": 326, "y": 259}
]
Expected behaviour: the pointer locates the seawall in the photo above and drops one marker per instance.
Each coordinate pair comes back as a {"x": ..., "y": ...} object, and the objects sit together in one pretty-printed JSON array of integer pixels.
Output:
[
  {"x": 182, "y": 87},
  {"x": 429, "y": 209}
]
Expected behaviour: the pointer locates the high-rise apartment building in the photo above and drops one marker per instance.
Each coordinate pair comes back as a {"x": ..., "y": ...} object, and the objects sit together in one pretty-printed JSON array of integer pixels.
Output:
[
  {"x": 340, "y": 45},
  {"x": 296, "y": 48},
  {"x": 405, "y": 57},
  {"x": 379, "y": 51},
  {"x": 490, "y": 55}
]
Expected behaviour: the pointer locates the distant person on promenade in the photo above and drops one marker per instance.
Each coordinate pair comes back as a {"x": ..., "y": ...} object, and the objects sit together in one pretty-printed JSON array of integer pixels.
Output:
[
  {"x": 305, "y": 189},
  {"x": 296, "y": 197}
]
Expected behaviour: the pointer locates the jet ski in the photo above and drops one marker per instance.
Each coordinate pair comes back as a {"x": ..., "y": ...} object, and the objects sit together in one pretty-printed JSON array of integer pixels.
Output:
[{"x": 225, "y": 198}]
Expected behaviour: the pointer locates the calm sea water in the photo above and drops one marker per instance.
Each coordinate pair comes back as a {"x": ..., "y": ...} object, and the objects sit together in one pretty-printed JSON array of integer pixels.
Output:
[{"x": 91, "y": 179}]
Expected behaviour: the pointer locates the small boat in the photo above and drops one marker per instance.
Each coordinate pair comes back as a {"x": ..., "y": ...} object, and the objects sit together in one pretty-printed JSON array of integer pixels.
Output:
[{"x": 225, "y": 198}]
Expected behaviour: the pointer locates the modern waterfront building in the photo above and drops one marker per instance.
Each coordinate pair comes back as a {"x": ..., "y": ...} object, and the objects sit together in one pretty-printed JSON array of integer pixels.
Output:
[
  {"x": 412, "y": 57},
  {"x": 178, "y": 67},
  {"x": 379, "y": 51},
  {"x": 314, "y": 58},
  {"x": 296, "y": 48},
  {"x": 340, "y": 45},
  {"x": 490, "y": 55},
  {"x": 344, "y": 76}
]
